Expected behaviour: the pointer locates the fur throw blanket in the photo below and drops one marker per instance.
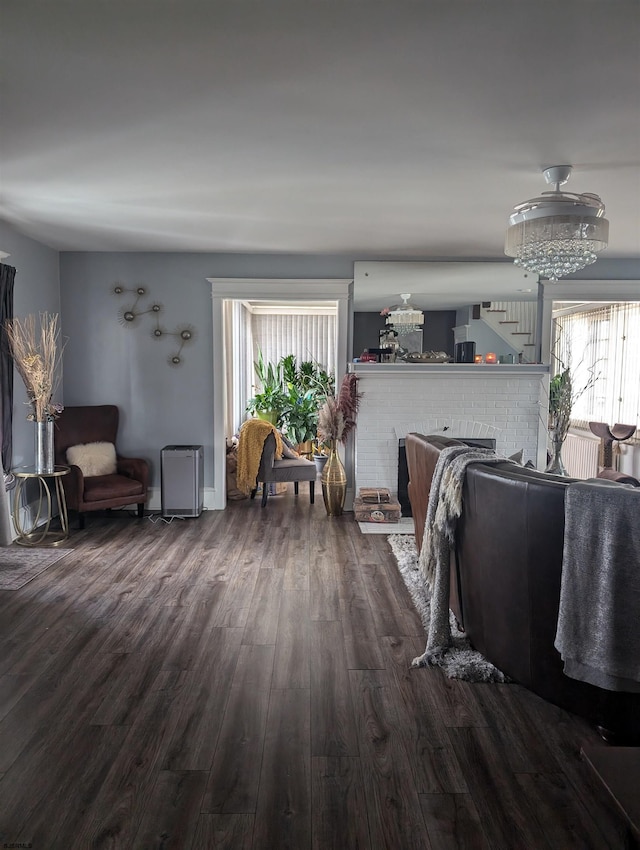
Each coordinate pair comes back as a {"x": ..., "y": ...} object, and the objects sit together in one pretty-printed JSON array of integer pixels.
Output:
[
  {"x": 253, "y": 434},
  {"x": 443, "y": 511}
]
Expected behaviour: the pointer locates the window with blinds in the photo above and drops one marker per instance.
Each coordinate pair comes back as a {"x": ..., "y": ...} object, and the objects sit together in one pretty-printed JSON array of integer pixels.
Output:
[
  {"x": 307, "y": 336},
  {"x": 601, "y": 346}
]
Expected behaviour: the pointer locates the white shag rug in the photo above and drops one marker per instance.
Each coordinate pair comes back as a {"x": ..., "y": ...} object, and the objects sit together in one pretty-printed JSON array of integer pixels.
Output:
[{"x": 460, "y": 661}]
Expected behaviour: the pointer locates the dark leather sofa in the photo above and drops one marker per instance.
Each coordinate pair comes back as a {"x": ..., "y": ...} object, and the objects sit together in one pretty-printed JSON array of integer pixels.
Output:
[{"x": 505, "y": 579}]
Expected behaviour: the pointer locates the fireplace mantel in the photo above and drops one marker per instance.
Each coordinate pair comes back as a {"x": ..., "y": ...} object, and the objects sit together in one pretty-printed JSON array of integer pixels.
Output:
[
  {"x": 484, "y": 369},
  {"x": 504, "y": 401}
]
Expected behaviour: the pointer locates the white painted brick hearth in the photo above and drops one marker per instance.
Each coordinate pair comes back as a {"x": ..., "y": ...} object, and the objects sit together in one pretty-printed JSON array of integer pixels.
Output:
[{"x": 495, "y": 401}]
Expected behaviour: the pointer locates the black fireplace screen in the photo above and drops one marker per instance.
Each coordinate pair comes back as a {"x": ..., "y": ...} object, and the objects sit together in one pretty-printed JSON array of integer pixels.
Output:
[{"x": 403, "y": 480}]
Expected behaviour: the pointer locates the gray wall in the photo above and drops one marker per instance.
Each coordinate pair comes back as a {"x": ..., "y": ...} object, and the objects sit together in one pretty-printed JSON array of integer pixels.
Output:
[{"x": 108, "y": 362}]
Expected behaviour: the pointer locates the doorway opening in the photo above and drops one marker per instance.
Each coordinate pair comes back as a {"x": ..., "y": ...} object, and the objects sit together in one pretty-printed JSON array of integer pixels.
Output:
[{"x": 232, "y": 370}]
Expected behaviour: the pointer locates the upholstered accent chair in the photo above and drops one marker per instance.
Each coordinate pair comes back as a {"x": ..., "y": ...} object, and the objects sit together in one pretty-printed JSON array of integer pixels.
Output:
[
  {"x": 122, "y": 482},
  {"x": 288, "y": 469}
]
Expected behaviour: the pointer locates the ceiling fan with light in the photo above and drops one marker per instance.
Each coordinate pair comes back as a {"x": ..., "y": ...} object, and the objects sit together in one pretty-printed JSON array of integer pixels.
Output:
[{"x": 559, "y": 232}]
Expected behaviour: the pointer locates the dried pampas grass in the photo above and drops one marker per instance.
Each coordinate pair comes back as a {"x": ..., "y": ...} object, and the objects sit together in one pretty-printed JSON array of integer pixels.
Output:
[
  {"x": 337, "y": 416},
  {"x": 37, "y": 356}
]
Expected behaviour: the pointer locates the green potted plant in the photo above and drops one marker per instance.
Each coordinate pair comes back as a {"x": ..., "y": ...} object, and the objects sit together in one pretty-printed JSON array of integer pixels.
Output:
[
  {"x": 307, "y": 387},
  {"x": 289, "y": 395},
  {"x": 320, "y": 453},
  {"x": 300, "y": 417},
  {"x": 271, "y": 400}
]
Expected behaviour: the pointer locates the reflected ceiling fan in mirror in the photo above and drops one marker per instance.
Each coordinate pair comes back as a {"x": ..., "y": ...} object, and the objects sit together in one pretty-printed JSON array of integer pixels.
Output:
[{"x": 559, "y": 232}]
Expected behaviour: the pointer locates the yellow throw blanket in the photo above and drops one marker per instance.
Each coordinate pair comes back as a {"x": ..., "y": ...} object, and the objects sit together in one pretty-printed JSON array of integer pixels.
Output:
[{"x": 253, "y": 433}]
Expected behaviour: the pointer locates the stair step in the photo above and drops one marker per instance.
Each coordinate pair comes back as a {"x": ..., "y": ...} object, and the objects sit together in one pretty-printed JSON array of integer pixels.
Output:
[
  {"x": 520, "y": 333},
  {"x": 528, "y": 344},
  {"x": 489, "y": 310},
  {"x": 508, "y": 321}
]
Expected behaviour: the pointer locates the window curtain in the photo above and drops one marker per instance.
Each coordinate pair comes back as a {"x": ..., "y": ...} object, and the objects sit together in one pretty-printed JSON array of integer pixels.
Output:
[
  {"x": 308, "y": 337},
  {"x": 7, "y": 278},
  {"x": 238, "y": 364},
  {"x": 603, "y": 343}
]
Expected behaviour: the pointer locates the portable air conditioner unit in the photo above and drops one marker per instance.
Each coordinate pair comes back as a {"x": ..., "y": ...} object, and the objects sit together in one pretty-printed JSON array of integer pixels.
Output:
[{"x": 182, "y": 481}]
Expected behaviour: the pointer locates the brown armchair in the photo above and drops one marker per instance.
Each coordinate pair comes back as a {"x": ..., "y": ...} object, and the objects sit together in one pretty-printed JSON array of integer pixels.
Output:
[{"x": 126, "y": 486}]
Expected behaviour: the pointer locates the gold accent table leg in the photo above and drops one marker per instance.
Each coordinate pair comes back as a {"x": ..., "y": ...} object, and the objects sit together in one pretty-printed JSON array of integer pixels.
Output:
[
  {"x": 62, "y": 508},
  {"x": 17, "y": 499},
  {"x": 36, "y": 535}
]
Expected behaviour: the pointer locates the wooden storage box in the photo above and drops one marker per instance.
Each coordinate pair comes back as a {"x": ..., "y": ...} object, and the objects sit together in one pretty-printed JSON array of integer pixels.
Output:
[
  {"x": 374, "y": 495},
  {"x": 383, "y": 512}
]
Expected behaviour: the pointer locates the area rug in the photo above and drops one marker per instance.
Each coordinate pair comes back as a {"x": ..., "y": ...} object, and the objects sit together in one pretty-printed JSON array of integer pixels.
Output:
[
  {"x": 19, "y": 566},
  {"x": 460, "y": 661}
]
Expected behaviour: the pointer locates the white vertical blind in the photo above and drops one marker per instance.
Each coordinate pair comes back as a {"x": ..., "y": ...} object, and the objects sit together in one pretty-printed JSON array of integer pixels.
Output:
[
  {"x": 603, "y": 342},
  {"x": 307, "y": 336}
]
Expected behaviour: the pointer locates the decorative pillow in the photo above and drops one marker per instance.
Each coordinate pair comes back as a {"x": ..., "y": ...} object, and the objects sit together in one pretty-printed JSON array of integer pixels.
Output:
[
  {"x": 287, "y": 448},
  {"x": 93, "y": 458},
  {"x": 517, "y": 458}
]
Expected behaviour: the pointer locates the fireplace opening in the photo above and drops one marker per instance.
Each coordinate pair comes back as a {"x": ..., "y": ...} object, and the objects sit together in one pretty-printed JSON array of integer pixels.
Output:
[
  {"x": 403, "y": 470},
  {"x": 403, "y": 480}
]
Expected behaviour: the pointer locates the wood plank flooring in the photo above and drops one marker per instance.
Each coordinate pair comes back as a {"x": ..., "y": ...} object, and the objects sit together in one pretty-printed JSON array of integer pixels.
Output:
[{"x": 241, "y": 681}]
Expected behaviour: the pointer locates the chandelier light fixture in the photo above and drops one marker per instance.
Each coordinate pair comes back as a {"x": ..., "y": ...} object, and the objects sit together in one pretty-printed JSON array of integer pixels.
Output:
[
  {"x": 558, "y": 233},
  {"x": 404, "y": 318}
]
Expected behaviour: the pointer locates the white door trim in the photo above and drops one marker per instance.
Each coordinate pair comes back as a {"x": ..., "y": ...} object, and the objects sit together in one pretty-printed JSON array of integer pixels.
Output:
[{"x": 271, "y": 289}]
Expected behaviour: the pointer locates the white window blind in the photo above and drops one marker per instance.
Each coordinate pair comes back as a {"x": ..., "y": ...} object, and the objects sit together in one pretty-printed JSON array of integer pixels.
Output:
[
  {"x": 603, "y": 342},
  {"x": 307, "y": 336}
]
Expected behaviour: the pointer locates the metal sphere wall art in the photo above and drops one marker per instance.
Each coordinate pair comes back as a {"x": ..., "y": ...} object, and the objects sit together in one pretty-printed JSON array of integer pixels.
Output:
[{"x": 183, "y": 334}]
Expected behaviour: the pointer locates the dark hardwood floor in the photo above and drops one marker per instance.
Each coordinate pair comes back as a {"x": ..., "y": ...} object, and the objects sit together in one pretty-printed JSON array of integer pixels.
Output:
[{"x": 242, "y": 681}]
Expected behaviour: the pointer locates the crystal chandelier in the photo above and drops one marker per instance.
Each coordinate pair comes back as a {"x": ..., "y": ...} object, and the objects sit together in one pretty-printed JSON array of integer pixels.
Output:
[
  {"x": 558, "y": 233},
  {"x": 404, "y": 318}
]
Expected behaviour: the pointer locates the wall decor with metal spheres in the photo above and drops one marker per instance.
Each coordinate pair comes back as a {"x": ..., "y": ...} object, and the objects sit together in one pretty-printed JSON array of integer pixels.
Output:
[{"x": 183, "y": 334}]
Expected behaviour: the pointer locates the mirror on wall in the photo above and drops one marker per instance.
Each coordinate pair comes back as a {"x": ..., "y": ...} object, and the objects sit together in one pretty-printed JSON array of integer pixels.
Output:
[
  {"x": 492, "y": 304},
  {"x": 439, "y": 286}
]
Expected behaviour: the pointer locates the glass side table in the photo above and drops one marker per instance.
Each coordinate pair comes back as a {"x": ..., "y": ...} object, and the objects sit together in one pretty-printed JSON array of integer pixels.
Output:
[{"x": 48, "y": 484}]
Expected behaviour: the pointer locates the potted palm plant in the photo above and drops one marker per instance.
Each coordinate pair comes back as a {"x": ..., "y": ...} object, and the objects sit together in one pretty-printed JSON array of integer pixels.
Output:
[{"x": 289, "y": 396}]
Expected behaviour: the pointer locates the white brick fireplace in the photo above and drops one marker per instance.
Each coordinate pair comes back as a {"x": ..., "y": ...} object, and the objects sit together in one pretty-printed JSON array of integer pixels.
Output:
[{"x": 501, "y": 401}]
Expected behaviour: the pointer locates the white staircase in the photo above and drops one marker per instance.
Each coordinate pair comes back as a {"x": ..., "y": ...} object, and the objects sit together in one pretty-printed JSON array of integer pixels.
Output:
[{"x": 515, "y": 323}]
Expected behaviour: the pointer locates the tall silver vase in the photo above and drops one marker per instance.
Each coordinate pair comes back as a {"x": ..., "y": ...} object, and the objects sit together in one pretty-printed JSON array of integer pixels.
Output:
[{"x": 44, "y": 456}]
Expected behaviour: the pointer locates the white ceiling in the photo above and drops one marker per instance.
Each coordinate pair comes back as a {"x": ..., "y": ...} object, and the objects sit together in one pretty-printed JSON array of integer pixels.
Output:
[{"x": 389, "y": 130}]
